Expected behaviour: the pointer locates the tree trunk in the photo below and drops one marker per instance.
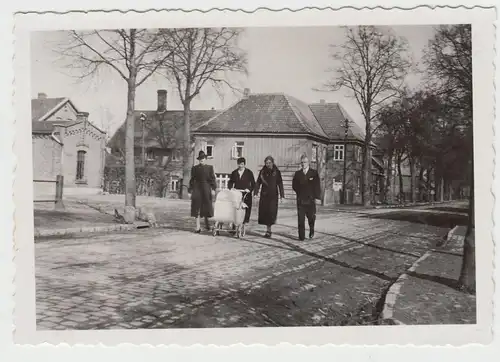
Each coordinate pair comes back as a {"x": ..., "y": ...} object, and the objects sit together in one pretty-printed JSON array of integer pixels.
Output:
[
  {"x": 401, "y": 193},
  {"x": 467, "y": 278},
  {"x": 412, "y": 179},
  {"x": 421, "y": 184},
  {"x": 388, "y": 197},
  {"x": 366, "y": 183},
  {"x": 187, "y": 152},
  {"x": 130, "y": 190}
]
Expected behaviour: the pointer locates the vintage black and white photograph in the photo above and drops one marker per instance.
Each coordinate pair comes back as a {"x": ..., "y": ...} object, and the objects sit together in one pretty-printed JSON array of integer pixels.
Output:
[{"x": 223, "y": 177}]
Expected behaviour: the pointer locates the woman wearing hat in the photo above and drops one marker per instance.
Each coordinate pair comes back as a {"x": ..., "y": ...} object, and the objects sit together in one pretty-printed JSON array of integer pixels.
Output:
[
  {"x": 201, "y": 186},
  {"x": 271, "y": 185}
]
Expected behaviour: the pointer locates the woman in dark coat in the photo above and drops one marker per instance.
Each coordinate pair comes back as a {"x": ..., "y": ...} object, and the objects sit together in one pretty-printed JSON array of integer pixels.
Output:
[
  {"x": 201, "y": 187},
  {"x": 272, "y": 192},
  {"x": 242, "y": 179}
]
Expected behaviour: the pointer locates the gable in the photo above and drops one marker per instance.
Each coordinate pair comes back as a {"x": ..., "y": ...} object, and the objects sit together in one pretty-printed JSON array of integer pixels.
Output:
[
  {"x": 87, "y": 128},
  {"x": 65, "y": 112},
  {"x": 53, "y": 109}
]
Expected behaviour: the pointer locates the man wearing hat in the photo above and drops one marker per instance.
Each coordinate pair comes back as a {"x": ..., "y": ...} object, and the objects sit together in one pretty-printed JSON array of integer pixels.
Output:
[
  {"x": 242, "y": 179},
  {"x": 201, "y": 187}
]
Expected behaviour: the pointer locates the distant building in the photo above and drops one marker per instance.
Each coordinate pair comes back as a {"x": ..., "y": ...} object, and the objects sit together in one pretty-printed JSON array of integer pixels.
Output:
[
  {"x": 158, "y": 149},
  {"x": 285, "y": 127},
  {"x": 65, "y": 143}
]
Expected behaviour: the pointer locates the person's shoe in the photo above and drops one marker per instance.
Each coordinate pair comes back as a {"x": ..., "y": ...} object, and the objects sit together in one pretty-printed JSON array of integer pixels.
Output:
[
  {"x": 311, "y": 234},
  {"x": 268, "y": 234},
  {"x": 198, "y": 231}
]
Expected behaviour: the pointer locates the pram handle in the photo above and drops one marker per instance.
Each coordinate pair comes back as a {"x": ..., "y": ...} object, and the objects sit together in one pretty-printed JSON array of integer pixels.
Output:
[{"x": 243, "y": 191}]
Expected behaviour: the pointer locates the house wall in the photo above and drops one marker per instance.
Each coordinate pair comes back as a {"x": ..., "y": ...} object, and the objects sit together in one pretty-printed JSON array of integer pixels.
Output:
[
  {"x": 335, "y": 174},
  {"x": 65, "y": 113},
  {"x": 46, "y": 165},
  {"x": 285, "y": 150},
  {"x": 92, "y": 141}
]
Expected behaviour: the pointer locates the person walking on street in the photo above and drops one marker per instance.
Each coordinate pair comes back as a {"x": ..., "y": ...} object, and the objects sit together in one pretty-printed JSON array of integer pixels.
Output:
[
  {"x": 271, "y": 193},
  {"x": 242, "y": 179},
  {"x": 306, "y": 185},
  {"x": 202, "y": 187}
]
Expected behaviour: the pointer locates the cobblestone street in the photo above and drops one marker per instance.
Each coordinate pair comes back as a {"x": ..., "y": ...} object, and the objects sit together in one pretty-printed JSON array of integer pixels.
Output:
[{"x": 173, "y": 278}]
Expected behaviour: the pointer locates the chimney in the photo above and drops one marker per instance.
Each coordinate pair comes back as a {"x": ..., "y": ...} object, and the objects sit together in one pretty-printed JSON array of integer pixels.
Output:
[
  {"x": 82, "y": 116},
  {"x": 42, "y": 96},
  {"x": 246, "y": 92},
  {"x": 162, "y": 100},
  {"x": 321, "y": 101}
]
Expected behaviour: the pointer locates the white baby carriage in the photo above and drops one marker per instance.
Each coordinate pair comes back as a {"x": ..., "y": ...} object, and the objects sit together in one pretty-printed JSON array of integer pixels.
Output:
[{"x": 230, "y": 208}]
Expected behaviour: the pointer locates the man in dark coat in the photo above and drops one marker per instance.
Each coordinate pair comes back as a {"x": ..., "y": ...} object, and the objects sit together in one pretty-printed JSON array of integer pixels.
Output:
[
  {"x": 242, "y": 179},
  {"x": 201, "y": 187},
  {"x": 306, "y": 185}
]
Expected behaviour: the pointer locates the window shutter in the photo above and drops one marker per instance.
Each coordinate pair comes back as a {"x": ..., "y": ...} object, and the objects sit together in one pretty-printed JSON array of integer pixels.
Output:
[{"x": 234, "y": 151}]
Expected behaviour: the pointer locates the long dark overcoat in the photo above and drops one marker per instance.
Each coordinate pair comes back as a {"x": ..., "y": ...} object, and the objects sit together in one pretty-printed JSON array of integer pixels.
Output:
[
  {"x": 246, "y": 181},
  {"x": 271, "y": 185},
  {"x": 200, "y": 187}
]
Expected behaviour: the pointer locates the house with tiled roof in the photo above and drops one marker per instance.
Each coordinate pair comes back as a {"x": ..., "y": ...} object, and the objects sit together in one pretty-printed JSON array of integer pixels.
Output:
[
  {"x": 65, "y": 143},
  {"x": 285, "y": 127},
  {"x": 158, "y": 146}
]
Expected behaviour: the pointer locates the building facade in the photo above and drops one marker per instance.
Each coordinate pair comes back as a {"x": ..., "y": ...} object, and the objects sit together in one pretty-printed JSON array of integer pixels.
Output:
[
  {"x": 65, "y": 142},
  {"x": 284, "y": 127}
]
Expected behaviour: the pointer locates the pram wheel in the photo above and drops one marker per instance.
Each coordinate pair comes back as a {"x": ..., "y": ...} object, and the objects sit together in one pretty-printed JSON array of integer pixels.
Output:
[{"x": 215, "y": 230}]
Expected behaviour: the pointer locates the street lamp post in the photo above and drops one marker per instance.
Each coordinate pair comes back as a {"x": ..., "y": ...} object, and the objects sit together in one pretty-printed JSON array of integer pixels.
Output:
[
  {"x": 143, "y": 121},
  {"x": 346, "y": 131}
]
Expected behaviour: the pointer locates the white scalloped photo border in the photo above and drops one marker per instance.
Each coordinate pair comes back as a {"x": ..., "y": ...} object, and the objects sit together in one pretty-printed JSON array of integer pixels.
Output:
[{"x": 482, "y": 20}]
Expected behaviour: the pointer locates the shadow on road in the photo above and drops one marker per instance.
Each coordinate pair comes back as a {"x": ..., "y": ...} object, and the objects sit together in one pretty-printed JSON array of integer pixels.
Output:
[
  {"x": 292, "y": 247},
  {"x": 444, "y": 220},
  {"x": 448, "y": 282}
]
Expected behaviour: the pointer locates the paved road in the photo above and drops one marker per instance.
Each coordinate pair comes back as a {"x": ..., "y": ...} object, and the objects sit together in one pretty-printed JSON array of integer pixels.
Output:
[{"x": 172, "y": 278}]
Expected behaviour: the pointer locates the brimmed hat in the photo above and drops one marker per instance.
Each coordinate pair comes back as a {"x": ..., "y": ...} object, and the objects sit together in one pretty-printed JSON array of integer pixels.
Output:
[{"x": 201, "y": 155}]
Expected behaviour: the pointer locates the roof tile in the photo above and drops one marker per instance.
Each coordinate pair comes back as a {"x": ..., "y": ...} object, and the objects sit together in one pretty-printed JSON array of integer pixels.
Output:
[{"x": 266, "y": 113}]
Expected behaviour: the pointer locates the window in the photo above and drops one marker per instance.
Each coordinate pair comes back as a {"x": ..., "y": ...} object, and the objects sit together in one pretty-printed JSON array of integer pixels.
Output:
[
  {"x": 176, "y": 155},
  {"x": 314, "y": 156},
  {"x": 174, "y": 184},
  {"x": 80, "y": 165},
  {"x": 358, "y": 185},
  {"x": 209, "y": 151},
  {"x": 237, "y": 150},
  {"x": 359, "y": 154},
  {"x": 150, "y": 155},
  {"x": 338, "y": 152}
]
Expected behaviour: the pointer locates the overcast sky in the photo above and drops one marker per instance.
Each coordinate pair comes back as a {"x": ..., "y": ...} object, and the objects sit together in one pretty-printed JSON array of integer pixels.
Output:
[{"x": 287, "y": 60}]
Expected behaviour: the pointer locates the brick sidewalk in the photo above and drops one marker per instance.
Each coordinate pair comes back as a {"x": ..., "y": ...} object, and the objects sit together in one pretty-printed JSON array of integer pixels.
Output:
[
  {"x": 74, "y": 215},
  {"x": 430, "y": 295}
]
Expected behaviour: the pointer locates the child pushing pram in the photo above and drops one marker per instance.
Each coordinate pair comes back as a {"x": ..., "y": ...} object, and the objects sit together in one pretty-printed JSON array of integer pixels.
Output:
[{"x": 241, "y": 181}]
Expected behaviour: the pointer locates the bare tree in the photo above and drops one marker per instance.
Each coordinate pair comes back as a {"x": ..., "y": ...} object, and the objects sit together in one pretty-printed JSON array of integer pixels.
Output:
[
  {"x": 202, "y": 56},
  {"x": 448, "y": 59},
  {"x": 372, "y": 63},
  {"x": 133, "y": 54}
]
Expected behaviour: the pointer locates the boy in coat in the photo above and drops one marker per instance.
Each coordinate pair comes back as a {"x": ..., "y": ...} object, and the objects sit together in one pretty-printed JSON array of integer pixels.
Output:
[{"x": 306, "y": 185}]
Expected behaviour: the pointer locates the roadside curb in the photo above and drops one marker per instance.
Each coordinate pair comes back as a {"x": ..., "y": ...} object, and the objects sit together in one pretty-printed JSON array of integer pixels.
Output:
[
  {"x": 401, "y": 206},
  {"x": 395, "y": 289},
  {"x": 387, "y": 314},
  {"x": 88, "y": 229}
]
